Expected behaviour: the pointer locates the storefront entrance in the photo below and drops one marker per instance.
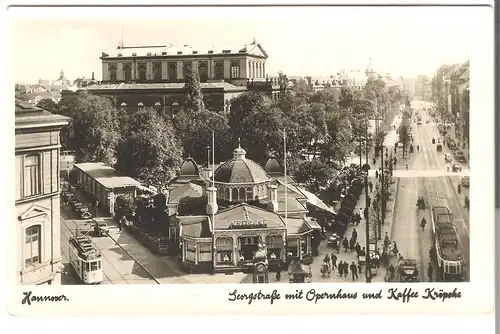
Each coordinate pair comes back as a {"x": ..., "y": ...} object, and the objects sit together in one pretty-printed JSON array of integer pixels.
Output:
[{"x": 248, "y": 247}]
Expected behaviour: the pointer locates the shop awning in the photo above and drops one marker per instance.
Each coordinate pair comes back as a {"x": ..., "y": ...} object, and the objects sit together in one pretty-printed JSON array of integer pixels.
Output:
[{"x": 314, "y": 200}]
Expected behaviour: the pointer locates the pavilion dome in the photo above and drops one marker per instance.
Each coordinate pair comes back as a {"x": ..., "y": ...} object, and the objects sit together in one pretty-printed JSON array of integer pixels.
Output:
[
  {"x": 189, "y": 168},
  {"x": 240, "y": 170},
  {"x": 273, "y": 166}
]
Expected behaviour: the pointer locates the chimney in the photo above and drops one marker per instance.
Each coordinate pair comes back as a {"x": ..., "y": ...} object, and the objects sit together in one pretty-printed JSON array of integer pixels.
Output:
[
  {"x": 93, "y": 79},
  {"x": 212, "y": 201},
  {"x": 272, "y": 198}
]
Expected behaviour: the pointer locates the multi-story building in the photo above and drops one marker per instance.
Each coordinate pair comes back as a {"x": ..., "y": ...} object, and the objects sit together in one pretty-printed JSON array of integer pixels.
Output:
[
  {"x": 37, "y": 191},
  {"x": 154, "y": 76},
  {"x": 423, "y": 88},
  {"x": 409, "y": 86}
]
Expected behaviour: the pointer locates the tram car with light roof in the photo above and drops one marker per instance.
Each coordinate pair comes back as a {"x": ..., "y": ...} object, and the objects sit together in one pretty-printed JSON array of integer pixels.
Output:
[
  {"x": 448, "y": 252},
  {"x": 86, "y": 260}
]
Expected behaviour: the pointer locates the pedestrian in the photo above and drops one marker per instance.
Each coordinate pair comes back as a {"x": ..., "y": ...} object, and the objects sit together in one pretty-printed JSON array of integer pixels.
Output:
[
  {"x": 360, "y": 211},
  {"x": 430, "y": 270},
  {"x": 418, "y": 148},
  {"x": 351, "y": 245},
  {"x": 406, "y": 166},
  {"x": 370, "y": 185},
  {"x": 341, "y": 268},
  {"x": 346, "y": 269},
  {"x": 358, "y": 219},
  {"x": 354, "y": 271},
  {"x": 374, "y": 161},
  {"x": 376, "y": 174},
  {"x": 365, "y": 213},
  {"x": 278, "y": 272},
  {"x": 357, "y": 248},
  {"x": 423, "y": 223},
  {"x": 354, "y": 235},
  {"x": 459, "y": 189},
  {"x": 369, "y": 200},
  {"x": 395, "y": 161},
  {"x": 448, "y": 167},
  {"x": 334, "y": 261},
  {"x": 345, "y": 244}
]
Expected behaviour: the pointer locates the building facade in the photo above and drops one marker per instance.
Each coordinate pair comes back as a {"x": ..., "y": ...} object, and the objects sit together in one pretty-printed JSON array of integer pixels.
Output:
[
  {"x": 423, "y": 88},
  {"x": 37, "y": 148},
  {"x": 245, "y": 211},
  {"x": 154, "y": 76}
]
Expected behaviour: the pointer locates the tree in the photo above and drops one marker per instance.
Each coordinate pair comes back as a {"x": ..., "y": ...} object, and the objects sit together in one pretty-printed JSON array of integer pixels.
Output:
[
  {"x": 200, "y": 136},
  {"x": 313, "y": 174},
  {"x": 194, "y": 97},
  {"x": 94, "y": 131},
  {"x": 149, "y": 151},
  {"x": 124, "y": 206},
  {"x": 49, "y": 105},
  {"x": 243, "y": 106},
  {"x": 376, "y": 218}
]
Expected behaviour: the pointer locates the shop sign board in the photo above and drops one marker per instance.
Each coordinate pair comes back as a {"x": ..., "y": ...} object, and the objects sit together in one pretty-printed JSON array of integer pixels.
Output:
[{"x": 243, "y": 224}]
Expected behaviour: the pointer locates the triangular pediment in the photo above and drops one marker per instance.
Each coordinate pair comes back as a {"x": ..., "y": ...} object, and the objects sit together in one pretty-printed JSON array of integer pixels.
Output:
[
  {"x": 33, "y": 212},
  {"x": 256, "y": 49}
]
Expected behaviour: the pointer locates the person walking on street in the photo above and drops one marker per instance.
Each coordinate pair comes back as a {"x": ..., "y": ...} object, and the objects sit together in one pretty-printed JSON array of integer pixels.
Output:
[
  {"x": 370, "y": 185},
  {"x": 341, "y": 268},
  {"x": 346, "y": 269},
  {"x": 365, "y": 213},
  {"x": 374, "y": 161},
  {"x": 406, "y": 166},
  {"x": 345, "y": 244},
  {"x": 459, "y": 189},
  {"x": 357, "y": 248},
  {"x": 418, "y": 148},
  {"x": 423, "y": 223},
  {"x": 334, "y": 261},
  {"x": 354, "y": 271},
  {"x": 376, "y": 174},
  {"x": 351, "y": 245},
  {"x": 354, "y": 235},
  {"x": 430, "y": 270},
  {"x": 278, "y": 272}
]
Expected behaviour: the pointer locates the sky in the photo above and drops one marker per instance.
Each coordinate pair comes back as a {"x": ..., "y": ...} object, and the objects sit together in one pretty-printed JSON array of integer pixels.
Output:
[{"x": 299, "y": 41}]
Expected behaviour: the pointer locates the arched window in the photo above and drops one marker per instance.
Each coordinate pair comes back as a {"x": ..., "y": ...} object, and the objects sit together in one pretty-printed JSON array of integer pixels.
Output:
[
  {"x": 142, "y": 71},
  {"x": 123, "y": 105},
  {"x": 157, "y": 71},
  {"x": 140, "y": 104},
  {"x": 224, "y": 250},
  {"x": 249, "y": 194},
  {"x": 158, "y": 107},
  {"x": 32, "y": 247},
  {"x": 274, "y": 244},
  {"x": 127, "y": 72},
  {"x": 112, "y": 72},
  {"x": 186, "y": 68},
  {"x": 175, "y": 108},
  {"x": 242, "y": 194},
  {"x": 234, "y": 194},
  {"x": 32, "y": 178},
  {"x": 226, "y": 194},
  {"x": 249, "y": 69}
]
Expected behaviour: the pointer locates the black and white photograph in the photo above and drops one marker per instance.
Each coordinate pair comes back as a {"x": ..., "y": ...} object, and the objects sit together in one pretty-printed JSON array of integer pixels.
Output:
[{"x": 258, "y": 145}]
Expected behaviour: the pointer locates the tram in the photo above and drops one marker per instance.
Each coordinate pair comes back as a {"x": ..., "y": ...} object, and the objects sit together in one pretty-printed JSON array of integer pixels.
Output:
[
  {"x": 86, "y": 260},
  {"x": 448, "y": 252}
]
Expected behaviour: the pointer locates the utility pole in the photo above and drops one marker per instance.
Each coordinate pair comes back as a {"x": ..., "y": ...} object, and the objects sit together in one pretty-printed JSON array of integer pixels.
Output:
[
  {"x": 382, "y": 179},
  {"x": 367, "y": 234}
]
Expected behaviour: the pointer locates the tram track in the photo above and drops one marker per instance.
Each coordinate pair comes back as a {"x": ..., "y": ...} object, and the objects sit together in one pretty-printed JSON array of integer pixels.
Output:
[
  {"x": 111, "y": 279},
  {"x": 438, "y": 195}
]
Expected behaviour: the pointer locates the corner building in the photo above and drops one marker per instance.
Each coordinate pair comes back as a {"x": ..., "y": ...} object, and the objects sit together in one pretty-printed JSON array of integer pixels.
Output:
[
  {"x": 37, "y": 200},
  {"x": 245, "y": 210}
]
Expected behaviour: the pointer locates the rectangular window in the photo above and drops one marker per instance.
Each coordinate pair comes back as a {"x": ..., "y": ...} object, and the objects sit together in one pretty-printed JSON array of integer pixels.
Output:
[
  {"x": 219, "y": 70},
  {"x": 157, "y": 71},
  {"x": 112, "y": 72},
  {"x": 172, "y": 71},
  {"x": 203, "y": 71},
  {"x": 32, "y": 180},
  {"x": 142, "y": 72},
  {"x": 93, "y": 266},
  {"x": 190, "y": 252},
  {"x": 204, "y": 248},
  {"x": 32, "y": 246},
  {"x": 235, "y": 70},
  {"x": 186, "y": 69}
]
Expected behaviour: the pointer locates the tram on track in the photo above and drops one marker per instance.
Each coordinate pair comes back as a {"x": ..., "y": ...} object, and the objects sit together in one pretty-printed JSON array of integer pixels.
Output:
[
  {"x": 86, "y": 260},
  {"x": 448, "y": 252}
]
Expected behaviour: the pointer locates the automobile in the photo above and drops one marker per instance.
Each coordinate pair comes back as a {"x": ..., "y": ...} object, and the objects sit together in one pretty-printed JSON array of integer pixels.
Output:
[
  {"x": 459, "y": 155},
  {"x": 439, "y": 148},
  {"x": 408, "y": 271},
  {"x": 76, "y": 205},
  {"x": 334, "y": 241},
  {"x": 456, "y": 168},
  {"x": 101, "y": 229},
  {"x": 447, "y": 157},
  {"x": 84, "y": 212},
  {"x": 465, "y": 181}
]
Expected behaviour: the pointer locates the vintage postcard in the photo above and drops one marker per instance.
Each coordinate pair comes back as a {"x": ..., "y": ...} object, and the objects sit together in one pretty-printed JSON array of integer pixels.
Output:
[{"x": 250, "y": 160}]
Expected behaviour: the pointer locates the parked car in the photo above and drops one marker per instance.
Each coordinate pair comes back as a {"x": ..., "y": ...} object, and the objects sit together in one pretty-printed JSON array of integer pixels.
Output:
[
  {"x": 84, "y": 212},
  {"x": 465, "y": 181},
  {"x": 456, "y": 168},
  {"x": 459, "y": 155},
  {"x": 439, "y": 148},
  {"x": 76, "y": 205},
  {"x": 447, "y": 157}
]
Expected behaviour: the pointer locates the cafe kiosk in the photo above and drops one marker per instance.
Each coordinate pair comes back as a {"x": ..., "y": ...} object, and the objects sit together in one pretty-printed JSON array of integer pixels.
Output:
[
  {"x": 299, "y": 273},
  {"x": 260, "y": 267}
]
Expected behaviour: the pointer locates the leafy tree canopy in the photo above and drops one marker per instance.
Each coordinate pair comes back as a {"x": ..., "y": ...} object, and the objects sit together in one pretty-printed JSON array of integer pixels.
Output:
[
  {"x": 313, "y": 174},
  {"x": 194, "y": 97},
  {"x": 49, "y": 105},
  {"x": 94, "y": 131},
  {"x": 149, "y": 151}
]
